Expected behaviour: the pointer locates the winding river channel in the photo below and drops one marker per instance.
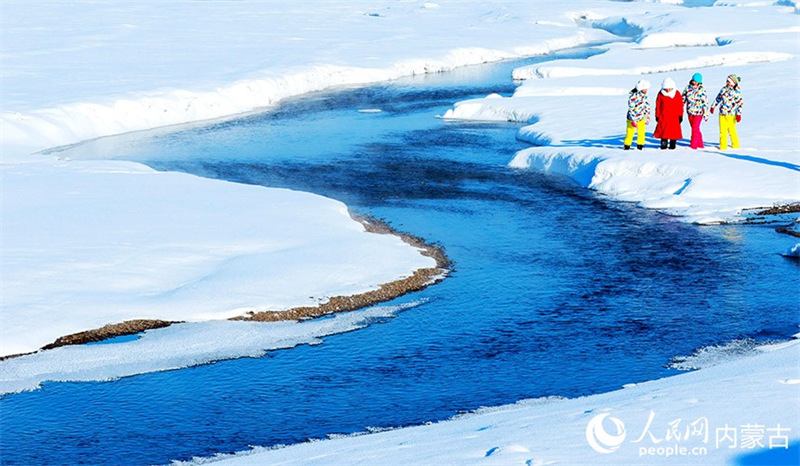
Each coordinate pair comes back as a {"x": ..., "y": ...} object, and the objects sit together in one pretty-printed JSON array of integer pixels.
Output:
[{"x": 556, "y": 291}]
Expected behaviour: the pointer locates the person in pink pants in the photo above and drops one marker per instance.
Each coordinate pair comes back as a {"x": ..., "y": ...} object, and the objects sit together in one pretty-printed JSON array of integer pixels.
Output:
[{"x": 696, "y": 102}]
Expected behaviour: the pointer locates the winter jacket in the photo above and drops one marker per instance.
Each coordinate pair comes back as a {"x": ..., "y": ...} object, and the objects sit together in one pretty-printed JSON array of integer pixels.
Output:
[
  {"x": 638, "y": 106},
  {"x": 729, "y": 100},
  {"x": 669, "y": 112},
  {"x": 695, "y": 100}
]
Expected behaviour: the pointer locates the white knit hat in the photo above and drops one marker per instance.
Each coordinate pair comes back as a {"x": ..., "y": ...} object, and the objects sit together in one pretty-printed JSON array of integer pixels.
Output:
[
  {"x": 668, "y": 84},
  {"x": 642, "y": 85}
]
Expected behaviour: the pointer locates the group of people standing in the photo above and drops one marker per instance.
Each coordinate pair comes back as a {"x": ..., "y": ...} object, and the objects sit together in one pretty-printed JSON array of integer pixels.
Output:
[{"x": 670, "y": 105}]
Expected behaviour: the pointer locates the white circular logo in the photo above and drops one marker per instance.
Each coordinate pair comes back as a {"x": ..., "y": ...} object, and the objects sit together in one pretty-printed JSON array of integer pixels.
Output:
[{"x": 602, "y": 441}]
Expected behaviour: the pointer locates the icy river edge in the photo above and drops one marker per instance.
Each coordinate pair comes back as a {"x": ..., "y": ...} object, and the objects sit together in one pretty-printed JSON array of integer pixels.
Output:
[{"x": 785, "y": 362}]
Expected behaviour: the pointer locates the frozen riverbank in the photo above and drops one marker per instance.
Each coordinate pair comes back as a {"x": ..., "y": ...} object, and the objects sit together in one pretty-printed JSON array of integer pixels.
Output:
[
  {"x": 133, "y": 246},
  {"x": 86, "y": 244},
  {"x": 164, "y": 252},
  {"x": 142, "y": 69},
  {"x": 734, "y": 413},
  {"x": 577, "y": 110}
]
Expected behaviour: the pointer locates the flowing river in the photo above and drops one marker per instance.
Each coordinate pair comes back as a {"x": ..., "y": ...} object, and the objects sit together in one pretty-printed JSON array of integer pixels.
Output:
[{"x": 555, "y": 290}]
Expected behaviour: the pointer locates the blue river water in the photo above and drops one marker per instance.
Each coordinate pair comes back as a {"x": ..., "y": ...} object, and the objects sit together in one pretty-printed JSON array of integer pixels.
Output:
[{"x": 555, "y": 290}]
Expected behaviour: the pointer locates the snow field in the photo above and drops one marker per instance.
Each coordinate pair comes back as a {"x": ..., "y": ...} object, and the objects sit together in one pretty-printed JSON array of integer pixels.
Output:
[
  {"x": 76, "y": 258},
  {"x": 142, "y": 70},
  {"x": 89, "y": 243}
]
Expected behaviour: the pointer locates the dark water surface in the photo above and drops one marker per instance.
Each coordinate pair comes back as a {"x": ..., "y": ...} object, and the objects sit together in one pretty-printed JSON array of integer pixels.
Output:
[{"x": 556, "y": 291}]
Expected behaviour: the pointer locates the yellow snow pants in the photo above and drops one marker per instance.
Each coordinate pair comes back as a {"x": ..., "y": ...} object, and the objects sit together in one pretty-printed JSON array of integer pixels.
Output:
[
  {"x": 727, "y": 125},
  {"x": 629, "y": 130}
]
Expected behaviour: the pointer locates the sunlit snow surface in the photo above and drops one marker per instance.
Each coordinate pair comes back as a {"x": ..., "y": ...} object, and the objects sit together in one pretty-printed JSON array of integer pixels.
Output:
[
  {"x": 763, "y": 387},
  {"x": 87, "y": 244},
  {"x": 127, "y": 80}
]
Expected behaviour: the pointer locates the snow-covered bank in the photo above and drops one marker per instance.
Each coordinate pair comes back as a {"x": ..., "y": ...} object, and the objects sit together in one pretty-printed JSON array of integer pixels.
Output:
[
  {"x": 703, "y": 186},
  {"x": 140, "y": 66},
  {"x": 717, "y": 415},
  {"x": 578, "y": 112},
  {"x": 87, "y": 244}
]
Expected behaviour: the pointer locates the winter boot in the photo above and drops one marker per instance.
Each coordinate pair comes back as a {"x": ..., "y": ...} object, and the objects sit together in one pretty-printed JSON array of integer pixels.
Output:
[
  {"x": 640, "y": 147},
  {"x": 663, "y": 144},
  {"x": 672, "y": 143},
  {"x": 626, "y": 147}
]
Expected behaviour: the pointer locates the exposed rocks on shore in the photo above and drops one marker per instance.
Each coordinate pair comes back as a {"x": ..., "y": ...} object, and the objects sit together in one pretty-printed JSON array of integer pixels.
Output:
[
  {"x": 781, "y": 209},
  {"x": 420, "y": 279},
  {"x": 760, "y": 217},
  {"x": 129, "y": 327}
]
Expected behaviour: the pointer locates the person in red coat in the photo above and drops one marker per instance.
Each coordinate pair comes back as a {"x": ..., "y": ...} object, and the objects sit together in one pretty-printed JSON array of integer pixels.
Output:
[{"x": 669, "y": 114}]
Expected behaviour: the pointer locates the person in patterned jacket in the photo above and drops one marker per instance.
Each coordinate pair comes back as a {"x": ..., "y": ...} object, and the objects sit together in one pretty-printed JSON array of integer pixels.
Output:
[
  {"x": 696, "y": 102},
  {"x": 730, "y": 102},
  {"x": 638, "y": 114}
]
